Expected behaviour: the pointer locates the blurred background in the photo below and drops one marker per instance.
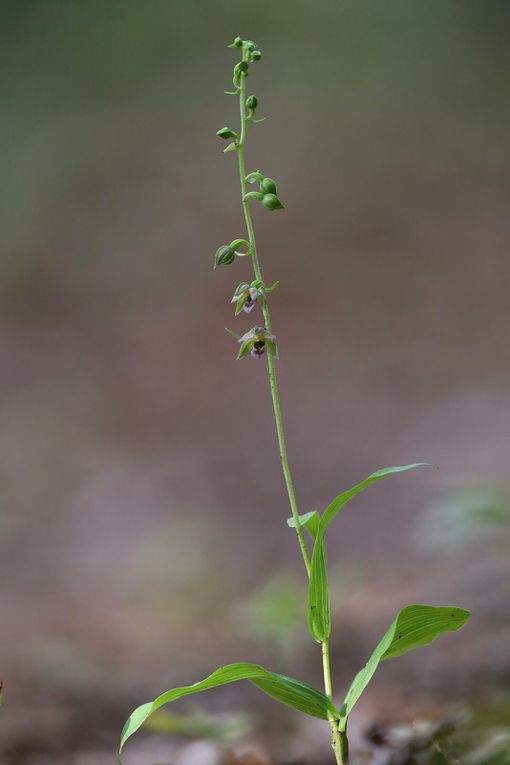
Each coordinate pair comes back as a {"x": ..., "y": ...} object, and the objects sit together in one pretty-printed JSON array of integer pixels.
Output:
[{"x": 142, "y": 524}]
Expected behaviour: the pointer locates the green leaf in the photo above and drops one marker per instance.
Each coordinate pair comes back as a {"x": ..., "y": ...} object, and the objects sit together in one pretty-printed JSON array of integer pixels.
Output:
[
  {"x": 319, "y": 619},
  {"x": 414, "y": 626},
  {"x": 271, "y": 347},
  {"x": 339, "y": 502},
  {"x": 231, "y": 332},
  {"x": 318, "y": 611},
  {"x": 286, "y": 690},
  {"x": 272, "y": 287},
  {"x": 244, "y": 349},
  {"x": 239, "y": 305},
  {"x": 309, "y": 520}
]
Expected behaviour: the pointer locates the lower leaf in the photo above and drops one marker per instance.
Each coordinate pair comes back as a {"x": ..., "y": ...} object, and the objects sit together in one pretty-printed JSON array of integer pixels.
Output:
[
  {"x": 414, "y": 626},
  {"x": 286, "y": 690}
]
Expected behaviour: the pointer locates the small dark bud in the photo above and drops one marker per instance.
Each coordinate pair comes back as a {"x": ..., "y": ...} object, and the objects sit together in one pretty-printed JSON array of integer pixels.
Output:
[
  {"x": 252, "y": 102},
  {"x": 226, "y": 133},
  {"x": 225, "y": 255},
  {"x": 268, "y": 186},
  {"x": 256, "y": 55},
  {"x": 271, "y": 202},
  {"x": 238, "y": 43},
  {"x": 249, "y": 45}
]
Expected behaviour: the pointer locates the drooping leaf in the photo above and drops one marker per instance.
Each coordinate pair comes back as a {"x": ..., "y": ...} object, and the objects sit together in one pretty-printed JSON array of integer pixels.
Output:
[
  {"x": 339, "y": 502},
  {"x": 318, "y": 610},
  {"x": 310, "y": 521},
  {"x": 286, "y": 690},
  {"x": 414, "y": 626}
]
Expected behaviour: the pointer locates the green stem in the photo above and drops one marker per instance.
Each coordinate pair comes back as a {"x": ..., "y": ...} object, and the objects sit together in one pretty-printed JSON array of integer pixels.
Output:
[
  {"x": 267, "y": 319},
  {"x": 338, "y": 738}
]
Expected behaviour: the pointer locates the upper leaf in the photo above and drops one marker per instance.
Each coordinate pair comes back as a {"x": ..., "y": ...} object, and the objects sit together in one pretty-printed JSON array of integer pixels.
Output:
[
  {"x": 413, "y": 627},
  {"x": 286, "y": 690},
  {"x": 339, "y": 502},
  {"x": 318, "y": 611}
]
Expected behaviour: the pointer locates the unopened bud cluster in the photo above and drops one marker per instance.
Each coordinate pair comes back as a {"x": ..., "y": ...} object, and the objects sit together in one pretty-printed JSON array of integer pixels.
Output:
[{"x": 266, "y": 195}]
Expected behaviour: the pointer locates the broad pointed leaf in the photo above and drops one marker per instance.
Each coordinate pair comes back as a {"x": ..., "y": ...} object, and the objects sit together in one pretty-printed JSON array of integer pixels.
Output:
[
  {"x": 339, "y": 502},
  {"x": 414, "y": 626},
  {"x": 319, "y": 619},
  {"x": 286, "y": 690}
]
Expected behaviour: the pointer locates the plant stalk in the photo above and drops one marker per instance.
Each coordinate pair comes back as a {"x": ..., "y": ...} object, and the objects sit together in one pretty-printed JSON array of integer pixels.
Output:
[
  {"x": 267, "y": 319},
  {"x": 338, "y": 737}
]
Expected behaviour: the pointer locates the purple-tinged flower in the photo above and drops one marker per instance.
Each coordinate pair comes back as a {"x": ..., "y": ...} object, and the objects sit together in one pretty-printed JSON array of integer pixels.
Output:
[
  {"x": 246, "y": 295},
  {"x": 258, "y": 350},
  {"x": 257, "y": 342}
]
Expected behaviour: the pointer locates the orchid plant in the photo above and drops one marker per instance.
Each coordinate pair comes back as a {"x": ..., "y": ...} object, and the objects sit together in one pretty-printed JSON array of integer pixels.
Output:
[{"x": 415, "y": 625}]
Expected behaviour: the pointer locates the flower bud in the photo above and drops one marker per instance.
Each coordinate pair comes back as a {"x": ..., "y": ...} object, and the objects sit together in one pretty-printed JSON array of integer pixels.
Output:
[
  {"x": 238, "y": 43},
  {"x": 256, "y": 55},
  {"x": 236, "y": 243},
  {"x": 225, "y": 255},
  {"x": 252, "y": 102},
  {"x": 268, "y": 186},
  {"x": 227, "y": 133},
  {"x": 239, "y": 69},
  {"x": 271, "y": 202}
]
